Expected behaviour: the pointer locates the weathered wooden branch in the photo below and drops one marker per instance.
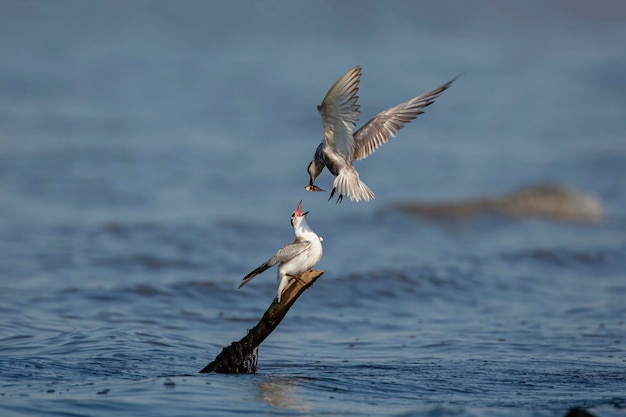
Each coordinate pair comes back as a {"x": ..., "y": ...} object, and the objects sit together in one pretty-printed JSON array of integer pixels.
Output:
[{"x": 238, "y": 357}]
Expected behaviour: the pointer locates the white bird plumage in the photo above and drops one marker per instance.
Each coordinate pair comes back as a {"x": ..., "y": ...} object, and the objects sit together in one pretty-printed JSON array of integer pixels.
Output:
[
  {"x": 295, "y": 258},
  {"x": 341, "y": 145}
]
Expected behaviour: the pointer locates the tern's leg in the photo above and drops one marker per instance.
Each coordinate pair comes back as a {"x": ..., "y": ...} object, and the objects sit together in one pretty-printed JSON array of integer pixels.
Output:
[
  {"x": 332, "y": 193},
  {"x": 283, "y": 283},
  {"x": 297, "y": 278}
]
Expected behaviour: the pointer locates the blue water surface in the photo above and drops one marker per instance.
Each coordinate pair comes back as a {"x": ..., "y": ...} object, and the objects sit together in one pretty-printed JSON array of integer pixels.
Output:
[{"x": 151, "y": 154}]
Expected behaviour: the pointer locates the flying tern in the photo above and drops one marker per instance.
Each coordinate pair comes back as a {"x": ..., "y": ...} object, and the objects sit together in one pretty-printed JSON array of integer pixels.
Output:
[{"x": 342, "y": 146}]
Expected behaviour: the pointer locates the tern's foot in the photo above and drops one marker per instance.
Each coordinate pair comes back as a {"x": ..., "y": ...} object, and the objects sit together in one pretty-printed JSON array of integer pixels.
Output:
[
  {"x": 332, "y": 193},
  {"x": 312, "y": 187}
]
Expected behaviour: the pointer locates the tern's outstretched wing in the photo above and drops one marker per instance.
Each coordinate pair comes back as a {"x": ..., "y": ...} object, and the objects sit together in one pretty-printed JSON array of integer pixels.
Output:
[
  {"x": 377, "y": 131},
  {"x": 340, "y": 113},
  {"x": 284, "y": 254}
]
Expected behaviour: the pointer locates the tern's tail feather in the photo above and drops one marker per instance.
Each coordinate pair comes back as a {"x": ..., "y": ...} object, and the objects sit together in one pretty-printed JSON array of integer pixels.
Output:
[
  {"x": 347, "y": 183},
  {"x": 254, "y": 273}
]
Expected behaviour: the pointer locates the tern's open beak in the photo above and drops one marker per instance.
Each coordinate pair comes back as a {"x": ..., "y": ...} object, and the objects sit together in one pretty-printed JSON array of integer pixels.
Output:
[{"x": 299, "y": 209}]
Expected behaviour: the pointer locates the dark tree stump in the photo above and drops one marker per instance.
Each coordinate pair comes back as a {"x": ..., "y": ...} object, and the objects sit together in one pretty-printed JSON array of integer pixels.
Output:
[{"x": 240, "y": 357}]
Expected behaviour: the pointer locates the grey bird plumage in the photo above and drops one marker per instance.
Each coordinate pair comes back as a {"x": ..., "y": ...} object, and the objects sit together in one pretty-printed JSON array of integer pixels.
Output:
[
  {"x": 342, "y": 146},
  {"x": 294, "y": 258}
]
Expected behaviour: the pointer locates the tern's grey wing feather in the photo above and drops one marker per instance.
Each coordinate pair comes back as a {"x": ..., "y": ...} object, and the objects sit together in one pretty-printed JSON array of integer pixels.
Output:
[
  {"x": 284, "y": 254},
  {"x": 377, "y": 131},
  {"x": 289, "y": 251},
  {"x": 340, "y": 112}
]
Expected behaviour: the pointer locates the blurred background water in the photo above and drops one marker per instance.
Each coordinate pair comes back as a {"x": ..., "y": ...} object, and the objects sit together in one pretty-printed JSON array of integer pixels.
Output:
[{"x": 152, "y": 152}]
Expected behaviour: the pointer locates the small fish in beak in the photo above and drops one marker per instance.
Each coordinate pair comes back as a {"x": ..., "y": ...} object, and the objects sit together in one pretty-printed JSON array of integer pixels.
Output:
[{"x": 313, "y": 188}]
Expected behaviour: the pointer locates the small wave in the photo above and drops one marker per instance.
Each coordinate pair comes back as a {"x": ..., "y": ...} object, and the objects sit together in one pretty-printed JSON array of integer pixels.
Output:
[
  {"x": 147, "y": 261},
  {"x": 568, "y": 257}
]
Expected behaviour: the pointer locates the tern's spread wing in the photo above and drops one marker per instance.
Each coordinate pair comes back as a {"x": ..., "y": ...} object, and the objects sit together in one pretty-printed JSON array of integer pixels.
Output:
[
  {"x": 377, "y": 131},
  {"x": 340, "y": 113}
]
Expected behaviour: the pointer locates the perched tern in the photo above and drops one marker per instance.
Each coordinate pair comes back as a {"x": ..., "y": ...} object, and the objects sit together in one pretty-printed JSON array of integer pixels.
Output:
[
  {"x": 340, "y": 112},
  {"x": 295, "y": 258}
]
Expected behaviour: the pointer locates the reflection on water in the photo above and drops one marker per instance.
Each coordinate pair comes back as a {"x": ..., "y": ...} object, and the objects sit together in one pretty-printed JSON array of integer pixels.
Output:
[
  {"x": 283, "y": 393},
  {"x": 550, "y": 202}
]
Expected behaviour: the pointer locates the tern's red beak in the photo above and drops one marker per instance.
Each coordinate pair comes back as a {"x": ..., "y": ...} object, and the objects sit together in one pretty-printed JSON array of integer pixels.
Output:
[{"x": 299, "y": 209}]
